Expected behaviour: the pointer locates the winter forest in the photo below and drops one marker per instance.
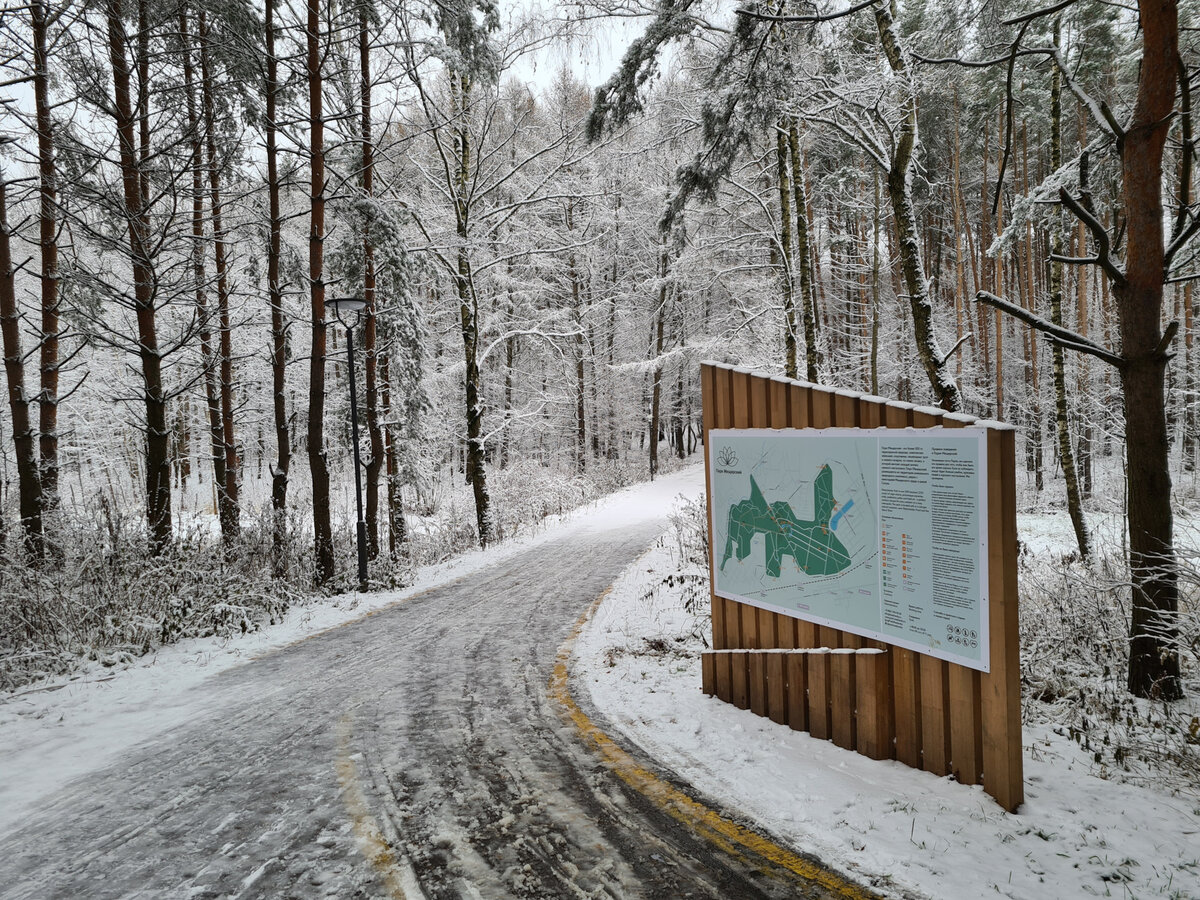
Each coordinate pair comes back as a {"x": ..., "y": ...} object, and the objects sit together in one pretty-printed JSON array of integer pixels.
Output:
[{"x": 985, "y": 207}]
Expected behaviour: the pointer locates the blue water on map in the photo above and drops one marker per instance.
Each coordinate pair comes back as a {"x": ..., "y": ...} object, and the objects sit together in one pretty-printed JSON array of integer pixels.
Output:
[{"x": 833, "y": 523}]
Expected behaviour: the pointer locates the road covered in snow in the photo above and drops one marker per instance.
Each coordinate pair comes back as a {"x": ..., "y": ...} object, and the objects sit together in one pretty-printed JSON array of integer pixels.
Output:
[{"x": 419, "y": 751}]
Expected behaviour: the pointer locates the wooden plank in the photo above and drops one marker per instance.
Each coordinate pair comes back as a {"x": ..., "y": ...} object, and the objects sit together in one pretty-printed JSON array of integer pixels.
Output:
[
  {"x": 906, "y": 706},
  {"x": 740, "y": 693},
  {"x": 806, "y": 634},
  {"x": 818, "y": 694},
  {"x": 935, "y": 715},
  {"x": 870, "y": 413},
  {"x": 759, "y": 402},
  {"x": 799, "y": 406},
  {"x": 780, "y": 408},
  {"x": 723, "y": 675},
  {"x": 758, "y": 683},
  {"x": 797, "y": 691},
  {"x": 845, "y": 411},
  {"x": 1001, "y": 688},
  {"x": 873, "y": 717},
  {"x": 768, "y": 634},
  {"x": 749, "y": 626},
  {"x": 777, "y": 695},
  {"x": 842, "y": 695},
  {"x": 741, "y": 400},
  {"x": 708, "y": 672},
  {"x": 966, "y": 739},
  {"x": 820, "y": 408},
  {"x": 922, "y": 419}
]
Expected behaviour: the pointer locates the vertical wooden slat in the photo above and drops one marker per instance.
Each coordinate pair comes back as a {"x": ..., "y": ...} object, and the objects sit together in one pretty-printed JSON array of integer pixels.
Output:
[
  {"x": 777, "y": 696},
  {"x": 845, "y": 410},
  {"x": 906, "y": 683},
  {"x": 964, "y": 709},
  {"x": 797, "y": 691},
  {"x": 708, "y": 673},
  {"x": 842, "y": 694},
  {"x": 935, "y": 674},
  {"x": 759, "y": 402},
  {"x": 820, "y": 414},
  {"x": 935, "y": 719},
  {"x": 965, "y": 736},
  {"x": 906, "y": 706},
  {"x": 874, "y": 727},
  {"x": 723, "y": 676},
  {"x": 818, "y": 694},
  {"x": 1001, "y": 687},
  {"x": 739, "y": 664},
  {"x": 758, "y": 683},
  {"x": 870, "y": 413},
  {"x": 780, "y": 407},
  {"x": 798, "y": 406}
]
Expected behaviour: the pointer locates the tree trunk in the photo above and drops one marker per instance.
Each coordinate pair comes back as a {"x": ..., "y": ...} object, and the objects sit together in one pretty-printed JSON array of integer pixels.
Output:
[
  {"x": 212, "y": 395},
  {"x": 229, "y": 512},
  {"x": 135, "y": 192},
  {"x": 318, "y": 464},
  {"x": 1153, "y": 654},
  {"x": 283, "y": 448},
  {"x": 370, "y": 330},
  {"x": 1062, "y": 425},
  {"x": 804, "y": 257},
  {"x": 945, "y": 389},
  {"x": 48, "y": 246},
  {"x": 785, "y": 246},
  {"x": 469, "y": 317},
  {"x": 656, "y": 383},
  {"x": 29, "y": 485}
]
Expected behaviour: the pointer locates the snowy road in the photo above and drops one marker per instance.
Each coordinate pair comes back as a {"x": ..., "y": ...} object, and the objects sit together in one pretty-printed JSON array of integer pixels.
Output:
[{"x": 414, "y": 753}]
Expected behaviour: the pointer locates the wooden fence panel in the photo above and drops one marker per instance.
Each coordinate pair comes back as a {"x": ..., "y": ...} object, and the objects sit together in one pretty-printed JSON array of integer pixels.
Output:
[{"x": 897, "y": 703}]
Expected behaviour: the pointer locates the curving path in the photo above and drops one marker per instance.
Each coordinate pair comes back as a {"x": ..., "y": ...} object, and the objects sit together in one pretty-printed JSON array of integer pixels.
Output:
[{"x": 414, "y": 753}]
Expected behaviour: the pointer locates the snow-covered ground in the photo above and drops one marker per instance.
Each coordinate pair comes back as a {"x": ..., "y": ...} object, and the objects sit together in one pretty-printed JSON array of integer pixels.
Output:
[
  {"x": 899, "y": 829},
  {"x": 62, "y": 729},
  {"x": 883, "y": 823}
]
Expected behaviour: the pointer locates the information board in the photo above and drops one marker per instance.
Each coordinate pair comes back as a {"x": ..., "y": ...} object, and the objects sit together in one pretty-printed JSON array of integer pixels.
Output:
[{"x": 880, "y": 532}]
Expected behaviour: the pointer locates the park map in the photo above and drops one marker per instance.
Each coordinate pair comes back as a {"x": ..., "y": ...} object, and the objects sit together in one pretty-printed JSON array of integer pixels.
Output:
[{"x": 873, "y": 532}]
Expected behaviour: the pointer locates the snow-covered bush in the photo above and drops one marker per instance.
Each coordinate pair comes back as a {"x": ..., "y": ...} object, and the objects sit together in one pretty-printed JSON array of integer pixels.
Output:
[{"x": 1074, "y": 654}]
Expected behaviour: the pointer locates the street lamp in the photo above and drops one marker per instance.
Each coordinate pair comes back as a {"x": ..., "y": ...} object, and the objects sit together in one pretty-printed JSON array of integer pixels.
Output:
[{"x": 354, "y": 305}]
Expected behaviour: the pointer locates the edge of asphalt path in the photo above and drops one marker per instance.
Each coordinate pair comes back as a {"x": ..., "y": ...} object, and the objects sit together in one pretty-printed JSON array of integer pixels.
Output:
[{"x": 751, "y": 847}]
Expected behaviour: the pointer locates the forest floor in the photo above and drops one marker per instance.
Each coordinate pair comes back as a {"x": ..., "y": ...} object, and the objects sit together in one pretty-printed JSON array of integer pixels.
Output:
[{"x": 1085, "y": 830}]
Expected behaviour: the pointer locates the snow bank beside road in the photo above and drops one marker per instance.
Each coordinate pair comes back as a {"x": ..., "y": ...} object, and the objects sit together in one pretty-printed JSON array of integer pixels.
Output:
[{"x": 883, "y": 823}]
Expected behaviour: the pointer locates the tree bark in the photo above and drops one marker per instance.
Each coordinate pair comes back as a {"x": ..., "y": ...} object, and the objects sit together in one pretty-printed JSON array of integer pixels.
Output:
[
  {"x": 135, "y": 194},
  {"x": 945, "y": 389},
  {"x": 208, "y": 361},
  {"x": 283, "y": 447},
  {"x": 229, "y": 511},
  {"x": 469, "y": 314},
  {"x": 370, "y": 329},
  {"x": 1153, "y": 654},
  {"x": 1061, "y": 421},
  {"x": 29, "y": 485},
  {"x": 48, "y": 247},
  {"x": 318, "y": 464},
  {"x": 785, "y": 246}
]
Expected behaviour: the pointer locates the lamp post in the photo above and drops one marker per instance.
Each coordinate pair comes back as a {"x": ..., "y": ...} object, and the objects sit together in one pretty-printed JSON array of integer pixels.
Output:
[{"x": 355, "y": 305}]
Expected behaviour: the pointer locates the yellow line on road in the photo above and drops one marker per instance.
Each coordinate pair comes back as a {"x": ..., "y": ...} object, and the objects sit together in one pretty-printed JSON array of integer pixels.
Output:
[
  {"x": 371, "y": 842},
  {"x": 710, "y": 824}
]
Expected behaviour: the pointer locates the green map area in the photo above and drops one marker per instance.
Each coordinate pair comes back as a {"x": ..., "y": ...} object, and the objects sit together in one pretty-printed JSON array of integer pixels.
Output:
[{"x": 812, "y": 544}]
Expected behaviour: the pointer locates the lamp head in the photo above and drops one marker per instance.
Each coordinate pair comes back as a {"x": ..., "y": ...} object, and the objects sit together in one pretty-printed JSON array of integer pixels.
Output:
[{"x": 343, "y": 305}]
